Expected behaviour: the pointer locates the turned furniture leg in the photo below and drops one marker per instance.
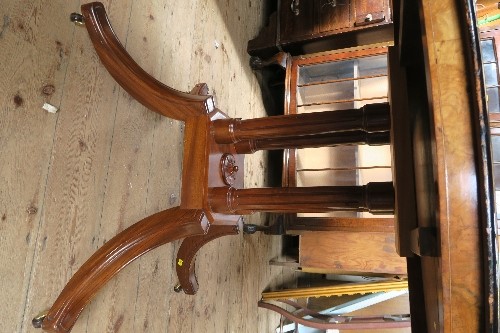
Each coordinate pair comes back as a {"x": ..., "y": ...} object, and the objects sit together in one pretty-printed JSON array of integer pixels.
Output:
[
  {"x": 185, "y": 263},
  {"x": 147, "y": 234},
  {"x": 369, "y": 118},
  {"x": 376, "y": 198},
  {"x": 313, "y": 141}
]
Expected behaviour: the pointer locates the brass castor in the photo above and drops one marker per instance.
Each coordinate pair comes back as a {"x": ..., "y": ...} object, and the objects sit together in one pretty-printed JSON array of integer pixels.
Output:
[
  {"x": 37, "y": 321},
  {"x": 178, "y": 288},
  {"x": 250, "y": 229},
  {"x": 77, "y": 18},
  {"x": 256, "y": 63}
]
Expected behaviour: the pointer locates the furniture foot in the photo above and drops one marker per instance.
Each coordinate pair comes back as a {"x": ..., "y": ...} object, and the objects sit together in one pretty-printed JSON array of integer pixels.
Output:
[
  {"x": 185, "y": 263},
  {"x": 77, "y": 18},
  {"x": 277, "y": 228},
  {"x": 39, "y": 318},
  {"x": 200, "y": 89},
  {"x": 147, "y": 234},
  {"x": 279, "y": 59}
]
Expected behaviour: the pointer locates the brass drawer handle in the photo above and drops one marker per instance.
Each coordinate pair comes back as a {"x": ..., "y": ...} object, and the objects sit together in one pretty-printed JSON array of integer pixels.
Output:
[{"x": 370, "y": 18}]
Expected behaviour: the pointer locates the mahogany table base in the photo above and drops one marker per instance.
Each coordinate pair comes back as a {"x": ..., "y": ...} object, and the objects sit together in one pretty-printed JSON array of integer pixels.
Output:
[{"x": 212, "y": 194}]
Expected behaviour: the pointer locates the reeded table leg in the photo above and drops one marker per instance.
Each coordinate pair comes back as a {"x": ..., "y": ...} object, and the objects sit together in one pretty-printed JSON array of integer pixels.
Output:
[
  {"x": 143, "y": 87},
  {"x": 133, "y": 242}
]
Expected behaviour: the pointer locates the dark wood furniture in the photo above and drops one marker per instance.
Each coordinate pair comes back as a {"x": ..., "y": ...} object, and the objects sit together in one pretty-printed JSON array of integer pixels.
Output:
[
  {"x": 443, "y": 168},
  {"x": 303, "y": 27},
  {"x": 212, "y": 195},
  {"x": 329, "y": 82}
]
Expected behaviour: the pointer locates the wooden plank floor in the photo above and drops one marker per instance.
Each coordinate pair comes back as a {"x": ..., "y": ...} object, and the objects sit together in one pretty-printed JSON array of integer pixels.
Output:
[{"x": 70, "y": 181}]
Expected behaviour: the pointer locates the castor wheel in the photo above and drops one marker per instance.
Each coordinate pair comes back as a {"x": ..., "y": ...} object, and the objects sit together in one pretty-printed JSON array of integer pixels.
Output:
[
  {"x": 256, "y": 62},
  {"x": 77, "y": 18},
  {"x": 250, "y": 229},
  {"x": 37, "y": 321},
  {"x": 178, "y": 288},
  {"x": 277, "y": 228}
]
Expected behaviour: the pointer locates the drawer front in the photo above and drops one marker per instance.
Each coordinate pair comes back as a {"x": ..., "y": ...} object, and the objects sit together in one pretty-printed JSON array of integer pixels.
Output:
[
  {"x": 296, "y": 19},
  {"x": 368, "y": 12},
  {"x": 332, "y": 15}
]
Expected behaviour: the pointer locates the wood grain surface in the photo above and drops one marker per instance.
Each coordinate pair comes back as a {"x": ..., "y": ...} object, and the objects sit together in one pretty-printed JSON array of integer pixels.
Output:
[
  {"x": 453, "y": 282},
  {"x": 72, "y": 180},
  {"x": 344, "y": 251}
]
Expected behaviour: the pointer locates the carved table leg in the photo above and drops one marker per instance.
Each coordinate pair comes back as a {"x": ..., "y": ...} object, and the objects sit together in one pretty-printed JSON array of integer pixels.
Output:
[
  {"x": 130, "y": 76},
  {"x": 128, "y": 245},
  {"x": 185, "y": 262}
]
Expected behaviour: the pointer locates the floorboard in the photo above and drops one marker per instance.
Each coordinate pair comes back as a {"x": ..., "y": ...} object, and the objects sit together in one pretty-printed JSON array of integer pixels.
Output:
[{"x": 70, "y": 181}]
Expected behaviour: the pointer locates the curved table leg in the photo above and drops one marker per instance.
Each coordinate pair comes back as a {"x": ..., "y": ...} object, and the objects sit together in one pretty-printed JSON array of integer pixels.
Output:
[
  {"x": 145, "y": 235},
  {"x": 185, "y": 263},
  {"x": 143, "y": 87}
]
